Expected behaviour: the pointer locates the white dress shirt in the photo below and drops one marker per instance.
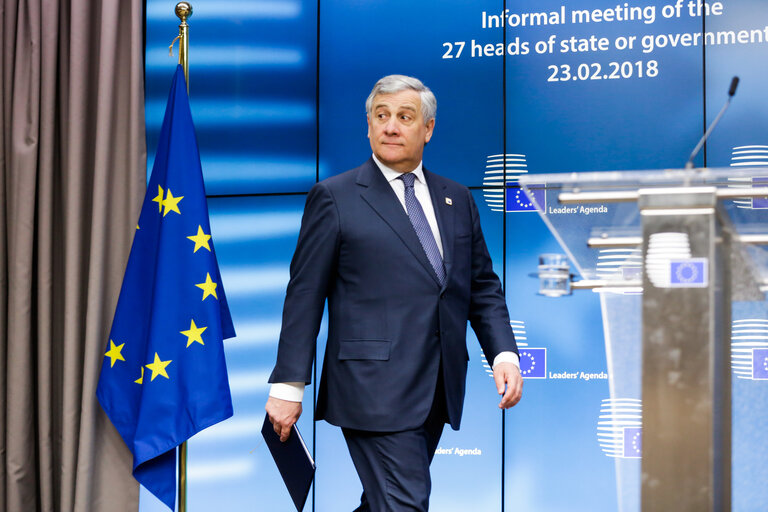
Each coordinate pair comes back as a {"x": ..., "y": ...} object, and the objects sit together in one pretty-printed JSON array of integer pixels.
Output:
[
  {"x": 421, "y": 190},
  {"x": 294, "y": 391}
]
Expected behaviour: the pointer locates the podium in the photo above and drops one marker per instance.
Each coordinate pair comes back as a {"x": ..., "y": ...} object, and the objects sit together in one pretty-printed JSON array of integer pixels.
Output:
[{"x": 670, "y": 252}]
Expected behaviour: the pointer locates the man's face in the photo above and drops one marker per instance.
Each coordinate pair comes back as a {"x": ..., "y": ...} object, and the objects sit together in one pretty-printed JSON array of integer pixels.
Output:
[{"x": 397, "y": 131}]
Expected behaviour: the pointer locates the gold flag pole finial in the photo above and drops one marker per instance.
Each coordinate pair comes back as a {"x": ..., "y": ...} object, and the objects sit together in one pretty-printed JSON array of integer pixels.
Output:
[{"x": 184, "y": 11}]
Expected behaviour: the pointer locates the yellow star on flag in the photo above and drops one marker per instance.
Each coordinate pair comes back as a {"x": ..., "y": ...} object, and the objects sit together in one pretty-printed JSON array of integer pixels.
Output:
[
  {"x": 158, "y": 367},
  {"x": 114, "y": 353},
  {"x": 159, "y": 199},
  {"x": 200, "y": 239},
  {"x": 194, "y": 333},
  {"x": 171, "y": 203},
  {"x": 208, "y": 287},
  {"x": 140, "y": 380}
]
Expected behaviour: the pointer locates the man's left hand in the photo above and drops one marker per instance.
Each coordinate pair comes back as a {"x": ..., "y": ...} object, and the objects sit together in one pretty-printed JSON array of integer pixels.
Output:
[{"x": 509, "y": 384}]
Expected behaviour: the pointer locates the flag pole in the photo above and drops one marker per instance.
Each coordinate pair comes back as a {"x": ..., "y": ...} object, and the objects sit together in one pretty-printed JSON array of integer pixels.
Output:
[
  {"x": 183, "y": 12},
  {"x": 183, "y": 477}
]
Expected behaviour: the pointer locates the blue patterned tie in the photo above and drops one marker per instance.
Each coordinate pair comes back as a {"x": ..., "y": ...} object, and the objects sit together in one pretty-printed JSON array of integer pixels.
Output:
[{"x": 420, "y": 224}]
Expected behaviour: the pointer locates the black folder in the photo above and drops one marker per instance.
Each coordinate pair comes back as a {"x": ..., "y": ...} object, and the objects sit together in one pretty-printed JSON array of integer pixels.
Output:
[{"x": 293, "y": 460}]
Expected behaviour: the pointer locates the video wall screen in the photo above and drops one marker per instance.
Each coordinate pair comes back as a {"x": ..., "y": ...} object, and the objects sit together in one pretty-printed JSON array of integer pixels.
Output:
[{"x": 278, "y": 89}]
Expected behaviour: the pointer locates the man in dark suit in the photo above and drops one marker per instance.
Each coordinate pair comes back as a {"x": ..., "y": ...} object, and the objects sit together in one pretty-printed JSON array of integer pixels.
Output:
[{"x": 399, "y": 254}]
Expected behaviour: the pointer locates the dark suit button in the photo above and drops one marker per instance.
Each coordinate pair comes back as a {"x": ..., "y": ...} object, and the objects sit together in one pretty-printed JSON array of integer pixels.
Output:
[
  {"x": 442, "y": 295},
  {"x": 437, "y": 333}
]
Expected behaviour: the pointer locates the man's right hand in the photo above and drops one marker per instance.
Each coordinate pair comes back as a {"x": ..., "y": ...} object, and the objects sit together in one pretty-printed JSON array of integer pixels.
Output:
[{"x": 283, "y": 414}]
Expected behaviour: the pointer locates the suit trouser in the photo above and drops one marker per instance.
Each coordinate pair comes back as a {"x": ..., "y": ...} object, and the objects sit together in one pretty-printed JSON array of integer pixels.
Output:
[{"x": 394, "y": 466}]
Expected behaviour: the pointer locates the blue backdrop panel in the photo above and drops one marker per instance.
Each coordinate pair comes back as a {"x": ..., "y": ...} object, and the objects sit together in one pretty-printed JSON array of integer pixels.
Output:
[
  {"x": 750, "y": 410},
  {"x": 252, "y": 90},
  {"x": 741, "y": 139},
  {"x": 746, "y": 122},
  {"x": 603, "y": 110},
  {"x": 361, "y": 42},
  {"x": 508, "y": 103},
  {"x": 583, "y": 105},
  {"x": 551, "y": 436}
]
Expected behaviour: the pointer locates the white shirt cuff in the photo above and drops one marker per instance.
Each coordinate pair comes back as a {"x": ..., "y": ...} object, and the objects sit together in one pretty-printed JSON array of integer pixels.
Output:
[
  {"x": 506, "y": 357},
  {"x": 291, "y": 391}
]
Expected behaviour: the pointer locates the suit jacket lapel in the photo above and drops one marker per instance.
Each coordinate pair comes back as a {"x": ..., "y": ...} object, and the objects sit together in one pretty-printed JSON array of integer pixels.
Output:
[
  {"x": 380, "y": 196},
  {"x": 445, "y": 216}
]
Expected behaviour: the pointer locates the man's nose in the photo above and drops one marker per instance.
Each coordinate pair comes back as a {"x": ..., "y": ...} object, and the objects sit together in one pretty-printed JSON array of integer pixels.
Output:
[{"x": 392, "y": 128}]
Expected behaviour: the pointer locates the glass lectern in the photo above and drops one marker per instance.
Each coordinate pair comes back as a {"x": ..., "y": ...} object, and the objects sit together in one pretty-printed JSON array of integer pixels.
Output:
[{"x": 672, "y": 254}]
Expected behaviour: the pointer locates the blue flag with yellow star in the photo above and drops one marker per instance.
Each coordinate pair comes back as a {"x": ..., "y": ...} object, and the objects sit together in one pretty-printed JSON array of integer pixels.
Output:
[{"x": 164, "y": 377}]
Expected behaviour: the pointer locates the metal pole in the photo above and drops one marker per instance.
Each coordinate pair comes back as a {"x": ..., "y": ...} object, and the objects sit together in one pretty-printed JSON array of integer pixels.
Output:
[
  {"x": 183, "y": 11},
  {"x": 183, "y": 477}
]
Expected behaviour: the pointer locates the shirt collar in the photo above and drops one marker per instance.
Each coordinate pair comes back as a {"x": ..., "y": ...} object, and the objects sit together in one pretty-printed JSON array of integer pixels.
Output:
[{"x": 391, "y": 174}]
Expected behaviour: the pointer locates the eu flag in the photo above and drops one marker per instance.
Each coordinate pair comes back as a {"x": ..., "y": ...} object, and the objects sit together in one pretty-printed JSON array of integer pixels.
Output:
[
  {"x": 688, "y": 273},
  {"x": 533, "y": 363},
  {"x": 164, "y": 377},
  {"x": 516, "y": 198},
  {"x": 760, "y": 363},
  {"x": 632, "y": 442},
  {"x": 759, "y": 203}
]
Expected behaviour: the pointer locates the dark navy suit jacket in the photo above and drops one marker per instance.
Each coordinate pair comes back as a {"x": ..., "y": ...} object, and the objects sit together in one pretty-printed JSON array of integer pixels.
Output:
[{"x": 391, "y": 323}]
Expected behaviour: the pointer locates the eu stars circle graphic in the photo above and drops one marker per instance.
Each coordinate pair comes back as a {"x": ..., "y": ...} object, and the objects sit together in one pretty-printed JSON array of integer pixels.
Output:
[
  {"x": 686, "y": 273},
  {"x": 531, "y": 359},
  {"x": 521, "y": 200}
]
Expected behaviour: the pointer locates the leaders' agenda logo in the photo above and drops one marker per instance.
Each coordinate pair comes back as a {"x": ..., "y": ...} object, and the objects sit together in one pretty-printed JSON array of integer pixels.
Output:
[
  {"x": 749, "y": 348},
  {"x": 521, "y": 334},
  {"x": 749, "y": 156},
  {"x": 619, "y": 264},
  {"x": 533, "y": 361},
  {"x": 633, "y": 442},
  {"x": 668, "y": 262},
  {"x": 501, "y": 185},
  {"x": 619, "y": 428}
]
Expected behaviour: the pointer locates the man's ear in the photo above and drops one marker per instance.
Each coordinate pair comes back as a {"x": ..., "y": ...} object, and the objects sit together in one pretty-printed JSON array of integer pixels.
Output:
[{"x": 430, "y": 129}]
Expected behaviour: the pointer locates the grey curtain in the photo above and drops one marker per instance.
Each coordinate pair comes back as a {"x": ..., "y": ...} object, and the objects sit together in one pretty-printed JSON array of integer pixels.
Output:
[{"x": 73, "y": 156}]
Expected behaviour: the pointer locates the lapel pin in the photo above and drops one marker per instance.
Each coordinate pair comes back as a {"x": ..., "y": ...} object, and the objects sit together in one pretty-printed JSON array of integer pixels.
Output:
[{"x": 448, "y": 201}]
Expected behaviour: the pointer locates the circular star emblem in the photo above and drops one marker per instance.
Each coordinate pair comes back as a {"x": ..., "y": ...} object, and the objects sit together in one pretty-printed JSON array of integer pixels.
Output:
[
  {"x": 686, "y": 273},
  {"x": 521, "y": 199},
  {"x": 531, "y": 363}
]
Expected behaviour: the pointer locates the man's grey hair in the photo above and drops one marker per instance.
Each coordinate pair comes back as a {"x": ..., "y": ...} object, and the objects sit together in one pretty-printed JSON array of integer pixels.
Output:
[{"x": 393, "y": 84}]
